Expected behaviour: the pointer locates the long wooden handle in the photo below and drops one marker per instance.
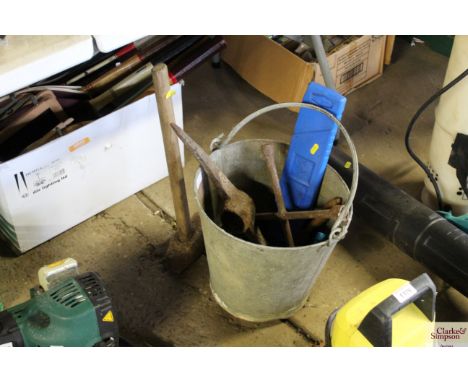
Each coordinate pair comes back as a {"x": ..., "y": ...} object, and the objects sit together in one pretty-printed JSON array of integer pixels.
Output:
[
  {"x": 113, "y": 74},
  {"x": 171, "y": 148},
  {"x": 121, "y": 88}
]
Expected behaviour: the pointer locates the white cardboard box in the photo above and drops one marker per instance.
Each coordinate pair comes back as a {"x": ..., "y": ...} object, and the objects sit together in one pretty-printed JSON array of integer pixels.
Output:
[
  {"x": 107, "y": 43},
  {"x": 56, "y": 186},
  {"x": 25, "y": 60}
]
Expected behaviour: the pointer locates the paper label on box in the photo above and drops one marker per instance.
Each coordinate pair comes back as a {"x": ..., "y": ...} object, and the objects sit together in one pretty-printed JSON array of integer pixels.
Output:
[
  {"x": 352, "y": 66},
  {"x": 39, "y": 179},
  {"x": 79, "y": 144}
]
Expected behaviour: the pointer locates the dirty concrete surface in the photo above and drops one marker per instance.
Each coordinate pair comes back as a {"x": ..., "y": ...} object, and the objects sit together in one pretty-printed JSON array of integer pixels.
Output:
[{"x": 126, "y": 243}]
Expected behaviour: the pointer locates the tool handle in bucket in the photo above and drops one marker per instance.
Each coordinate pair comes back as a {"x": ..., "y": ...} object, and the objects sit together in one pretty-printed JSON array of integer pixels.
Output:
[{"x": 339, "y": 228}]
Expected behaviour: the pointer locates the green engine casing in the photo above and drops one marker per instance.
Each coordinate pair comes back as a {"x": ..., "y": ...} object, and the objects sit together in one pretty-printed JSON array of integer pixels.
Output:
[{"x": 76, "y": 312}]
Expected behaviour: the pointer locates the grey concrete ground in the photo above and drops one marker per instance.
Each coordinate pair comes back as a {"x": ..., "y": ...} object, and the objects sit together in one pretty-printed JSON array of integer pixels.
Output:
[{"x": 125, "y": 243}]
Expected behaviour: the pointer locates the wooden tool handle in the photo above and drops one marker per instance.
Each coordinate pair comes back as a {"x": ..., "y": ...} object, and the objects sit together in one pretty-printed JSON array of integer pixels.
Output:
[
  {"x": 171, "y": 147},
  {"x": 113, "y": 74}
]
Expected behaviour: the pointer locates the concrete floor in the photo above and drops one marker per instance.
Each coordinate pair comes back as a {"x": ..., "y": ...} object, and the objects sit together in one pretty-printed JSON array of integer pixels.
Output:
[{"x": 125, "y": 243}]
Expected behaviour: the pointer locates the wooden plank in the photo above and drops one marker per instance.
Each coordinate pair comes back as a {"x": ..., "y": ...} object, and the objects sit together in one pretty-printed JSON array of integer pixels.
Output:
[{"x": 389, "y": 49}]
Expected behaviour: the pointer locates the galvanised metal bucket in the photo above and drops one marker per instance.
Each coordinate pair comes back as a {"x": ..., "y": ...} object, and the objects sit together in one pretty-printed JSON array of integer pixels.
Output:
[{"x": 262, "y": 283}]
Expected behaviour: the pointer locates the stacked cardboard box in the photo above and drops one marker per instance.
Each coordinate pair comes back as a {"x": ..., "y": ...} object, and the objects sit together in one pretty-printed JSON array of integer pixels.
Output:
[{"x": 283, "y": 76}]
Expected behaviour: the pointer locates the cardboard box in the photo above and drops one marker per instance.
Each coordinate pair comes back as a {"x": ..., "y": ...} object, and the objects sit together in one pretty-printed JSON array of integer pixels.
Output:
[
  {"x": 284, "y": 77},
  {"x": 56, "y": 186}
]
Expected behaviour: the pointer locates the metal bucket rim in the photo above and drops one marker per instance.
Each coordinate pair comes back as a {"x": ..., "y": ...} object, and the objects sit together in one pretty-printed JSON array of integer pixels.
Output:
[
  {"x": 341, "y": 224},
  {"x": 197, "y": 183}
]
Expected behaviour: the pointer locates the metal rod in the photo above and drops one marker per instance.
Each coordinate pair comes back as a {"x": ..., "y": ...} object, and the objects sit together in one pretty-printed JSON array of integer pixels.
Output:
[
  {"x": 171, "y": 148},
  {"x": 322, "y": 60},
  {"x": 222, "y": 183},
  {"x": 333, "y": 205},
  {"x": 299, "y": 215},
  {"x": 269, "y": 155}
]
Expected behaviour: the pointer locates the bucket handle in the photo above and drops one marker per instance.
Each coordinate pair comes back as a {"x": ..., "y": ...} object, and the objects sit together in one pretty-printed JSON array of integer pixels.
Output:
[{"x": 340, "y": 227}]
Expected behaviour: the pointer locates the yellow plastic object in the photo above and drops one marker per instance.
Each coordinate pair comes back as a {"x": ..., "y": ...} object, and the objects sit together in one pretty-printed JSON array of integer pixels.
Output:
[{"x": 410, "y": 326}]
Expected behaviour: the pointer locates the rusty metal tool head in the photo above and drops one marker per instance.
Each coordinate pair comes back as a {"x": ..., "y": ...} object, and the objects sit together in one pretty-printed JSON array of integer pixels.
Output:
[
  {"x": 238, "y": 214},
  {"x": 331, "y": 208}
]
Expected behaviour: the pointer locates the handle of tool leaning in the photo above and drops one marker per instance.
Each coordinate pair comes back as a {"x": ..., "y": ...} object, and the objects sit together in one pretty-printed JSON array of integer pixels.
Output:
[
  {"x": 171, "y": 148},
  {"x": 339, "y": 228},
  {"x": 377, "y": 324}
]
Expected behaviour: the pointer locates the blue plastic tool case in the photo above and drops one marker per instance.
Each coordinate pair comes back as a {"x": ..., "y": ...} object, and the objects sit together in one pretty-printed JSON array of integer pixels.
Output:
[{"x": 310, "y": 148}]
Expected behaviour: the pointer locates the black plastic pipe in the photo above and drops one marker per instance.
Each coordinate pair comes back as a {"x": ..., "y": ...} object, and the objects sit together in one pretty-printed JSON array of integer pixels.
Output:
[{"x": 414, "y": 228}]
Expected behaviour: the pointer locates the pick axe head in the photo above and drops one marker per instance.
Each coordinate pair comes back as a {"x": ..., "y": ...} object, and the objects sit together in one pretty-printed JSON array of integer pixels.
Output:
[
  {"x": 180, "y": 254},
  {"x": 238, "y": 215}
]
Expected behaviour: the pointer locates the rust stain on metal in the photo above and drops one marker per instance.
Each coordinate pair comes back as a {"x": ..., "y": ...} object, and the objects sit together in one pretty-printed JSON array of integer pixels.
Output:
[
  {"x": 238, "y": 216},
  {"x": 268, "y": 152}
]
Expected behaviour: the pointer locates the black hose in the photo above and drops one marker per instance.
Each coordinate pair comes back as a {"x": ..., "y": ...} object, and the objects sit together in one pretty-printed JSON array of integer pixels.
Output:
[
  {"x": 410, "y": 129},
  {"x": 414, "y": 228}
]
